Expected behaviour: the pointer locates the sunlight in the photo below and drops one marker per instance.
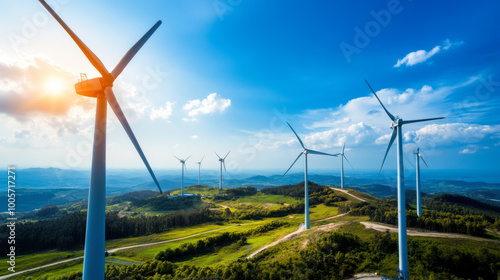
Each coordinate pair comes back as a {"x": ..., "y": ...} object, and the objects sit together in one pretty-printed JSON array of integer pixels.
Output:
[{"x": 54, "y": 86}]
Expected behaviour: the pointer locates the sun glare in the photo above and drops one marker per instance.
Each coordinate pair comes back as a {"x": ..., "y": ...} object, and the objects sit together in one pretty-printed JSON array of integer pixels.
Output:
[{"x": 54, "y": 86}]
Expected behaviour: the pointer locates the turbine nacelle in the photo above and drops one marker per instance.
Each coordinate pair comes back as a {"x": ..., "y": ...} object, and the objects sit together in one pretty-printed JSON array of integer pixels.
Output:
[
  {"x": 397, "y": 122},
  {"x": 90, "y": 88}
]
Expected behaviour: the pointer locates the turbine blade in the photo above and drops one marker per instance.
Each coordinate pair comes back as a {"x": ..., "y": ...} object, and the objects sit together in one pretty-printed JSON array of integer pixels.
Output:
[
  {"x": 423, "y": 160},
  {"x": 184, "y": 165},
  {"x": 227, "y": 154},
  {"x": 96, "y": 62},
  {"x": 224, "y": 163},
  {"x": 320, "y": 153},
  {"x": 293, "y": 164},
  {"x": 133, "y": 51},
  {"x": 300, "y": 141},
  {"x": 393, "y": 137},
  {"x": 343, "y": 148},
  {"x": 178, "y": 158},
  {"x": 422, "y": 120},
  {"x": 387, "y": 112},
  {"x": 217, "y": 155},
  {"x": 121, "y": 117},
  {"x": 187, "y": 158},
  {"x": 202, "y": 159},
  {"x": 348, "y": 162}
]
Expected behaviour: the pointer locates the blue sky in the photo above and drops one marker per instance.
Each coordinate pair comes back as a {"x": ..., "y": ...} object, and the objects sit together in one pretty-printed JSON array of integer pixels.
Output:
[{"x": 223, "y": 75}]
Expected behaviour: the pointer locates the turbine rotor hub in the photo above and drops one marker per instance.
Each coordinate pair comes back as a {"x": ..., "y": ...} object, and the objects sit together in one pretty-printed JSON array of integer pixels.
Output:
[{"x": 107, "y": 81}]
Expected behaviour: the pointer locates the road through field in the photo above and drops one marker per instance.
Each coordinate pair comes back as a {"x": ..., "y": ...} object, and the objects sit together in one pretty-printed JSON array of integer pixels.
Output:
[
  {"x": 114, "y": 250},
  {"x": 412, "y": 232}
]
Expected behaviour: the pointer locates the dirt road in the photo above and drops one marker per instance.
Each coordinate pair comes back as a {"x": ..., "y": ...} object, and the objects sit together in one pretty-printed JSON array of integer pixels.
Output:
[
  {"x": 281, "y": 239},
  {"x": 413, "y": 232},
  {"x": 347, "y": 192}
]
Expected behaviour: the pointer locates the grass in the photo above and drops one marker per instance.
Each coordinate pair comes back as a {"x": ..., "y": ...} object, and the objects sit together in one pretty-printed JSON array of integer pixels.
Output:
[
  {"x": 258, "y": 201},
  {"x": 321, "y": 211},
  {"x": 173, "y": 234},
  {"x": 231, "y": 253},
  {"x": 52, "y": 272},
  {"x": 24, "y": 262},
  {"x": 197, "y": 189},
  {"x": 146, "y": 253}
]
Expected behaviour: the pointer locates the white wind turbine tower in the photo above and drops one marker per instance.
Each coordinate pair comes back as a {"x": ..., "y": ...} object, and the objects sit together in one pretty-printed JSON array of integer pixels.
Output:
[
  {"x": 199, "y": 169},
  {"x": 101, "y": 89},
  {"x": 183, "y": 166},
  {"x": 419, "y": 201},
  {"x": 222, "y": 162},
  {"x": 305, "y": 152},
  {"x": 396, "y": 126},
  {"x": 342, "y": 154}
]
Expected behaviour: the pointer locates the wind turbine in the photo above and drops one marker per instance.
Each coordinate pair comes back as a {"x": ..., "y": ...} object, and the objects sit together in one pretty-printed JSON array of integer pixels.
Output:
[
  {"x": 419, "y": 201},
  {"x": 101, "y": 88},
  {"x": 183, "y": 166},
  {"x": 222, "y": 162},
  {"x": 305, "y": 152},
  {"x": 199, "y": 169},
  {"x": 342, "y": 154},
  {"x": 396, "y": 126}
]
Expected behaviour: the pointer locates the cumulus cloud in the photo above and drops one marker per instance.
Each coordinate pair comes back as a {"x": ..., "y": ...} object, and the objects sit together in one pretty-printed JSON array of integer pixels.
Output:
[
  {"x": 420, "y": 56},
  {"x": 456, "y": 133},
  {"x": 39, "y": 105},
  {"x": 362, "y": 121},
  {"x": 211, "y": 104},
  {"x": 356, "y": 134},
  {"x": 162, "y": 113},
  {"x": 34, "y": 86}
]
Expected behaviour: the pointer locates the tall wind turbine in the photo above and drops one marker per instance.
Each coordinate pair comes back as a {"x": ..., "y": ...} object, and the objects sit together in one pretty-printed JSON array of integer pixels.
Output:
[
  {"x": 396, "y": 126},
  {"x": 222, "y": 162},
  {"x": 183, "y": 166},
  {"x": 305, "y": 152},
  {"x": 199, "y": 169},
  {"x": 419, "y": 201},
  {"x": 101, "y": 88},
  {"x": 342, "y": 154}
]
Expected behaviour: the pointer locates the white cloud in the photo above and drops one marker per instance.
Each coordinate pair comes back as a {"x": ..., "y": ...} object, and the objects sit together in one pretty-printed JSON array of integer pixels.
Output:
[
  {"x": 420, "y": 56},
  {"x": 362, "y": 121},
  {"x": 467, "y": 151},
  {"x": 162, "y": 113},
  {"x": 194, "y": 136},
  {"x": 456, "y": 133},
  {"x": 39, "y": 106},
  {"x": 354, "y": 134},
  {"x": 211, "y": 104},
  {"x": 35, "y": 86}
]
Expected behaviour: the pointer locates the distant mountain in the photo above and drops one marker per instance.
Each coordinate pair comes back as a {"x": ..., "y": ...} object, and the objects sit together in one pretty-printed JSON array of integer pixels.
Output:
[{"x": 37, "y": 187}]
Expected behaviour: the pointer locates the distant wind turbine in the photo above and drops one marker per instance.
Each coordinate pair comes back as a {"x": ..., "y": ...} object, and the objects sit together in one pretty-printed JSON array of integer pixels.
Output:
[
  {"x": 183, "y": 166},
  {"x": 419, "y": 201},
  {"x": 396, "y": 126},
  {"x": 101, "y": 89},
  {"x": 222, "y": 162},
  {"x": 342, "y": 154},
  {"x": 305, "y": 152},
  {"x": 199, "y": 169}
]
